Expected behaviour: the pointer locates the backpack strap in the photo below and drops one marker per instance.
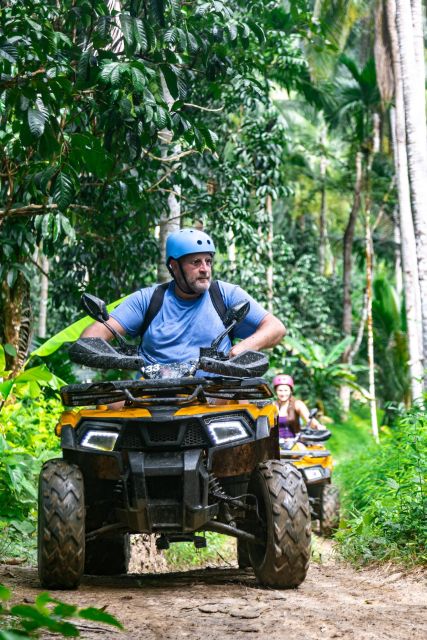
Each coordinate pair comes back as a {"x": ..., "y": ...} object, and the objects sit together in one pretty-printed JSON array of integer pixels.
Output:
[
  {"x": 154, "y": 306},
  {"x": 219, "y": 304},
  {"x": 217, "y": 299},
  {"x": 159, "y": 294}
]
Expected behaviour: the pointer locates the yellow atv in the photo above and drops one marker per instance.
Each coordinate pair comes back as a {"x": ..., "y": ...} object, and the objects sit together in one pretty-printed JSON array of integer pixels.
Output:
[
  {"x": 185, "y": 454},
  {"x": 308, "y": 453}
]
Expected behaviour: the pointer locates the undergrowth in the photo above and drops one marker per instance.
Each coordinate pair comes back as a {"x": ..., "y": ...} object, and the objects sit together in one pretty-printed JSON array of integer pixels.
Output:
[
  {"x": 26, "y": 440},
  {"x": 220, "y": 550},
  {"x": 385, "y": 497}
]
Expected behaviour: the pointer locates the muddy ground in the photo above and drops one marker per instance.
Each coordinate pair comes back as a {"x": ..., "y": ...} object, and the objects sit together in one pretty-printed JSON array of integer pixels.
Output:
[{"x": 335, "y": 601}]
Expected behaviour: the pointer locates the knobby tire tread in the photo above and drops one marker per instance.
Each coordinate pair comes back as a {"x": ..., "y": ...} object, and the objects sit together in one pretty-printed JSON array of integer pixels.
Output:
[
  {"x": 330, "y": 515},
  {"x": 287, "y": 512},
  {"x": 61, "y": 528}
]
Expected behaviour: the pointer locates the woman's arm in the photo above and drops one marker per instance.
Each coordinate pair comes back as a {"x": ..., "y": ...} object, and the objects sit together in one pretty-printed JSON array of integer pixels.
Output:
[{"x": 302, "y": 411}]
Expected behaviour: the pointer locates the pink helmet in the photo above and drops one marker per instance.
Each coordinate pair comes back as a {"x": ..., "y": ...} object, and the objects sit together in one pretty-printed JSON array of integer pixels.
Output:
[{"x": 283, "y": 379}]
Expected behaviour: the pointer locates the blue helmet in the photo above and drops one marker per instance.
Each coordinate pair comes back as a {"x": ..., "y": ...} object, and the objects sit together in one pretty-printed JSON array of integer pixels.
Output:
[{"x": 181, "y": 243}]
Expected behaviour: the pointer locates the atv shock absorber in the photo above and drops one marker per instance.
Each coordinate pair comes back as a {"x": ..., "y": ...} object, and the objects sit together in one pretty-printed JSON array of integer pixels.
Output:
[
  {"x": 217, "y": 492},
  {"x": 215, "y": 488}
]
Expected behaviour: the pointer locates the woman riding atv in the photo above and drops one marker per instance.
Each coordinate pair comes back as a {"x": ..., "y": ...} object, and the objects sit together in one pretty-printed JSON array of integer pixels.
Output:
[{"x": 291, "y": 409}]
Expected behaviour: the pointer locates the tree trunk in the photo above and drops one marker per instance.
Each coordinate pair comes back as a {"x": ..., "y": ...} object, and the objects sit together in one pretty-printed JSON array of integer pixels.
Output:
[
  {"x": 270, "y": 284},
  {"x": 347, "y": 272},
  {"x": 369, "y": 277},
  {"x": 370, "y": 327},
  {"x": 413, "y": 82},
  {"x": 15, "y": 321},
  {"x": 406, "y": 225},
  {"x": 322, "y": 218},
  {"x": 171, "y": 220},
  {"x": 44, "y": 294},
  {"x": 348, "y": 247},
  {"x": 323, "y": 233},
  {"x": 397, "y": 250}
]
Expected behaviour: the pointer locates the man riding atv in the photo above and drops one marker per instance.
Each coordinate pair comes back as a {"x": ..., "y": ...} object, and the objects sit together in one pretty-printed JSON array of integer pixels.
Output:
[
  {"x": 175, "y": 319},
  {"x": 193, "y": 446}
]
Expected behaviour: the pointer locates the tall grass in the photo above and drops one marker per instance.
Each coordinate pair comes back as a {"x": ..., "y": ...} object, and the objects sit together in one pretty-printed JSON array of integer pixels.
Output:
[{"x": 385, "y": 496}]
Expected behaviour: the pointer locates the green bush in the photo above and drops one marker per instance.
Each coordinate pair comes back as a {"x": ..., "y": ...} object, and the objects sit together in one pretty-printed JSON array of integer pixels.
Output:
[
  {"x": 385, "y": 496},
  {"x": 27, "y": 439},
  {"x": 47, "y": 613}
]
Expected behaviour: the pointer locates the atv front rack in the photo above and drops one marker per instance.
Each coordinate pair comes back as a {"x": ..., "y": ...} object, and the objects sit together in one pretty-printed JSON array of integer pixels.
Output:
[{"x": 168, "y": 391}]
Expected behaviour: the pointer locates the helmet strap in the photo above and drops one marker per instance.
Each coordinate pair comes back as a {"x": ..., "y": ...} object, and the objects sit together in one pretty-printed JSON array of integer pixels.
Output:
[{"x": 189, "y": 290}]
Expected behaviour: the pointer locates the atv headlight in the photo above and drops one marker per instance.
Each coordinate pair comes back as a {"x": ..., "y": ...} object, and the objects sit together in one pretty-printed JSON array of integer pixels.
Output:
[
  {"x": 223, "y": 431},
  {"x": 101, "y": 440},
  {"x": 314, "y": 473}
]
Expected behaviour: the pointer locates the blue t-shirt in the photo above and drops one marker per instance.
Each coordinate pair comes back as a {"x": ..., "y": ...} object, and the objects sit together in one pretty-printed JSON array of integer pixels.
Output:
[{"x": 181, "y": 326}]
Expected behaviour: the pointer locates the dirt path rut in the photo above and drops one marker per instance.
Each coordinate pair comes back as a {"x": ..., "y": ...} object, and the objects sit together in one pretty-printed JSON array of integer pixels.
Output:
[{"x": 335, "y": 601}]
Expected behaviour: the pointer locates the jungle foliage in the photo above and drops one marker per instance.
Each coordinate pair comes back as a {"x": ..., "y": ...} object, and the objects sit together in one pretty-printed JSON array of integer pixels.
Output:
[
  {"x": 108, "y": 108},
  {"x": 47, "y": 614},
  {"x": 385, "y": 496}
]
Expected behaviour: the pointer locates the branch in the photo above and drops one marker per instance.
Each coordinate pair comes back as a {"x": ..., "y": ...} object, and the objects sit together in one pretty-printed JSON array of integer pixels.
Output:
[
  {"x": 38, "y": 209},
  {"x": 35, "y": 263},
  {"x": 170, "y": 158},
  {"x": 197, "y": 106},
  {"x": 17, "y": 80},
  {"x": 178, "y": 195},
  {"x": 167, "y": 174},
  {"x": 358, "y": 341}
]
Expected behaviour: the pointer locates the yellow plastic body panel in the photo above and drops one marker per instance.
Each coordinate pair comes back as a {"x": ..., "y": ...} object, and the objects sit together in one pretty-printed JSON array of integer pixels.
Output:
[
  {"x": 74, "y": 416},
  {"x": 309, "y": 461}
]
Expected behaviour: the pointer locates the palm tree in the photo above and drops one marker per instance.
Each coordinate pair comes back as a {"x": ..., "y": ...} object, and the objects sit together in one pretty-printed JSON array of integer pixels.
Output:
[
  {"x": 413, "y": 80},
  {"x": 406, "y": 224}
]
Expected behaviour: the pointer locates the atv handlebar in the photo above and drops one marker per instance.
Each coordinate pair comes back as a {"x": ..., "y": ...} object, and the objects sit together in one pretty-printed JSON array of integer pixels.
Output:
[
  {"x": 98, "y": 353},
  {"x": 314, "y": 435}
]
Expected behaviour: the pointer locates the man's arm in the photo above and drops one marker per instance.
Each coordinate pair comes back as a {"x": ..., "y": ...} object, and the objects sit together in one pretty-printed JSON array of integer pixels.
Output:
[
  {"x": 99, "y": 330},
  {"x": 269, "y": 333}
]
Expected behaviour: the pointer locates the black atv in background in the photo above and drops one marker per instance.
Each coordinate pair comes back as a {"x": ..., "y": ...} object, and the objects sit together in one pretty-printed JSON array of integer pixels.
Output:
[{"x": 185, "y": 454}]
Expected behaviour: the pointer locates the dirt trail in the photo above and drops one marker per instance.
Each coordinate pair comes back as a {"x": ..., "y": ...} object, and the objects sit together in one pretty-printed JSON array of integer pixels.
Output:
[{"x": 335, "y": 601}]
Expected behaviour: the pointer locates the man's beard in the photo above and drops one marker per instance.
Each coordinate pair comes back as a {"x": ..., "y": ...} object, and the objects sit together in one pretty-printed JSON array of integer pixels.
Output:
[{"x": 199, "y": 285}]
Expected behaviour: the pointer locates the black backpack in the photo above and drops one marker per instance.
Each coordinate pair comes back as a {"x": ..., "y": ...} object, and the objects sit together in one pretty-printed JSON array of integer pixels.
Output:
[{"x": 157, "y": 301}]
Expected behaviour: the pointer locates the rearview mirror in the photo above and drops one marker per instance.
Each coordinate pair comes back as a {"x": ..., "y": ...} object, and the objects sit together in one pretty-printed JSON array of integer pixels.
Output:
[
  {"x": 94, "y": 307},
  {"x": 237, "y": 312}
]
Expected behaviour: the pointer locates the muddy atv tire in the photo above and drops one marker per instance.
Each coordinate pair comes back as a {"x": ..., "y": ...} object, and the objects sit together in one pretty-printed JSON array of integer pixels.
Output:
[
  {"x": 61, "y": 525},
  {"x": 243, "y": 559},
  {"x": 282, "y": 562},
  {"x": 330, "y": 510},
  {"x": 108, "y": 556}
]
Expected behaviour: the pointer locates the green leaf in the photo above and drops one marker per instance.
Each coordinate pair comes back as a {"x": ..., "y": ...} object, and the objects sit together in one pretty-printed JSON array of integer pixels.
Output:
[
  {"x": 5, "y": 388},
  {"x": 8, "y": 52},
  {"x": 158, "y": 7},
  {"x": 4, "y": 593},
  {"x": 127, "y": 26},
  {"x": 12, "y": 274},
  {"x": 37, "y": 118},
  {"x": 63, "y": 191},
  {"x": 170, "y": 76},
  {"x": 97, "y": 615},
  {"x": 138, "y": 79},
  {"x": 69, "y": 334},
  {"x": 11, "y": 635},
  {"x": 140, "y": 34},
  {"x": 257, "y": 30},
  {"x": 111, "y": 71},
  {"x": 10, "y": 350},
  {"x": 161, "y": 117}
]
